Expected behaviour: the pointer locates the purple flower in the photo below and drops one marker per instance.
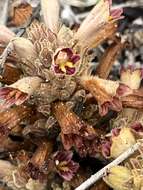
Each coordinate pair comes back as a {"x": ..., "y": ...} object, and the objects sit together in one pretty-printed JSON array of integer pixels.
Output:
[
  {"x": 64, "y": 164},
  {"x": 64, "y": 61}
]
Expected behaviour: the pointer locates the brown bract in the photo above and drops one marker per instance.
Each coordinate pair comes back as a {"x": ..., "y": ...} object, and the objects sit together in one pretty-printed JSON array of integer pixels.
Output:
[
  {"x": 11, "y": 118},
  {"x": 20, "y": 14}
]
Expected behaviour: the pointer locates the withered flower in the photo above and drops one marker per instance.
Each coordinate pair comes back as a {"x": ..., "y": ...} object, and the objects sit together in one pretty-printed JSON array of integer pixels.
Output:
[
  {"x": 5, "y": 168},
  {"x": 108, "y": 59},
  {"x": 119, "y": 177},
  {"x": 64, "y": 164},
  {"x": 12, "y": 96},
  {"x": 18, "y": 92},
  {"x": 64, "y": 61},
  {"x": 10, "y": 73},
  {"x": 74, "y": 132},
  {"x": 105, "y": 148},
  {"x": 121, "y": 142}
]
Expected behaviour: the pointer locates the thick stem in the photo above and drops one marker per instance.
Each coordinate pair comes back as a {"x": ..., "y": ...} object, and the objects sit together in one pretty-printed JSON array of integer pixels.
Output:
[{"x": 109, "y": 58}]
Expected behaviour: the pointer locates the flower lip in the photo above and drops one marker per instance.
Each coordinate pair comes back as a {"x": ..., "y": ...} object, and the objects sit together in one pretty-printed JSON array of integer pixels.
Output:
[{"x": 64, "y": 61}]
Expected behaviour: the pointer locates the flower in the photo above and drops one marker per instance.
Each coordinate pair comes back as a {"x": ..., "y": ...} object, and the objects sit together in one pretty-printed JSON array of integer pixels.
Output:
[
  {"x": 64, "y": 61},
  {"x": 100, "y": 21},
  {"x": 115, "y": 14},
  {"x": 18, "y": 92},
  {"x": 137, "y": 129},
  {"x": 105, "y": 92},
  {"x": 75, "y": 132},
  {"x": 11, "y": 96},
  {"x": 64, "y": 164}
]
